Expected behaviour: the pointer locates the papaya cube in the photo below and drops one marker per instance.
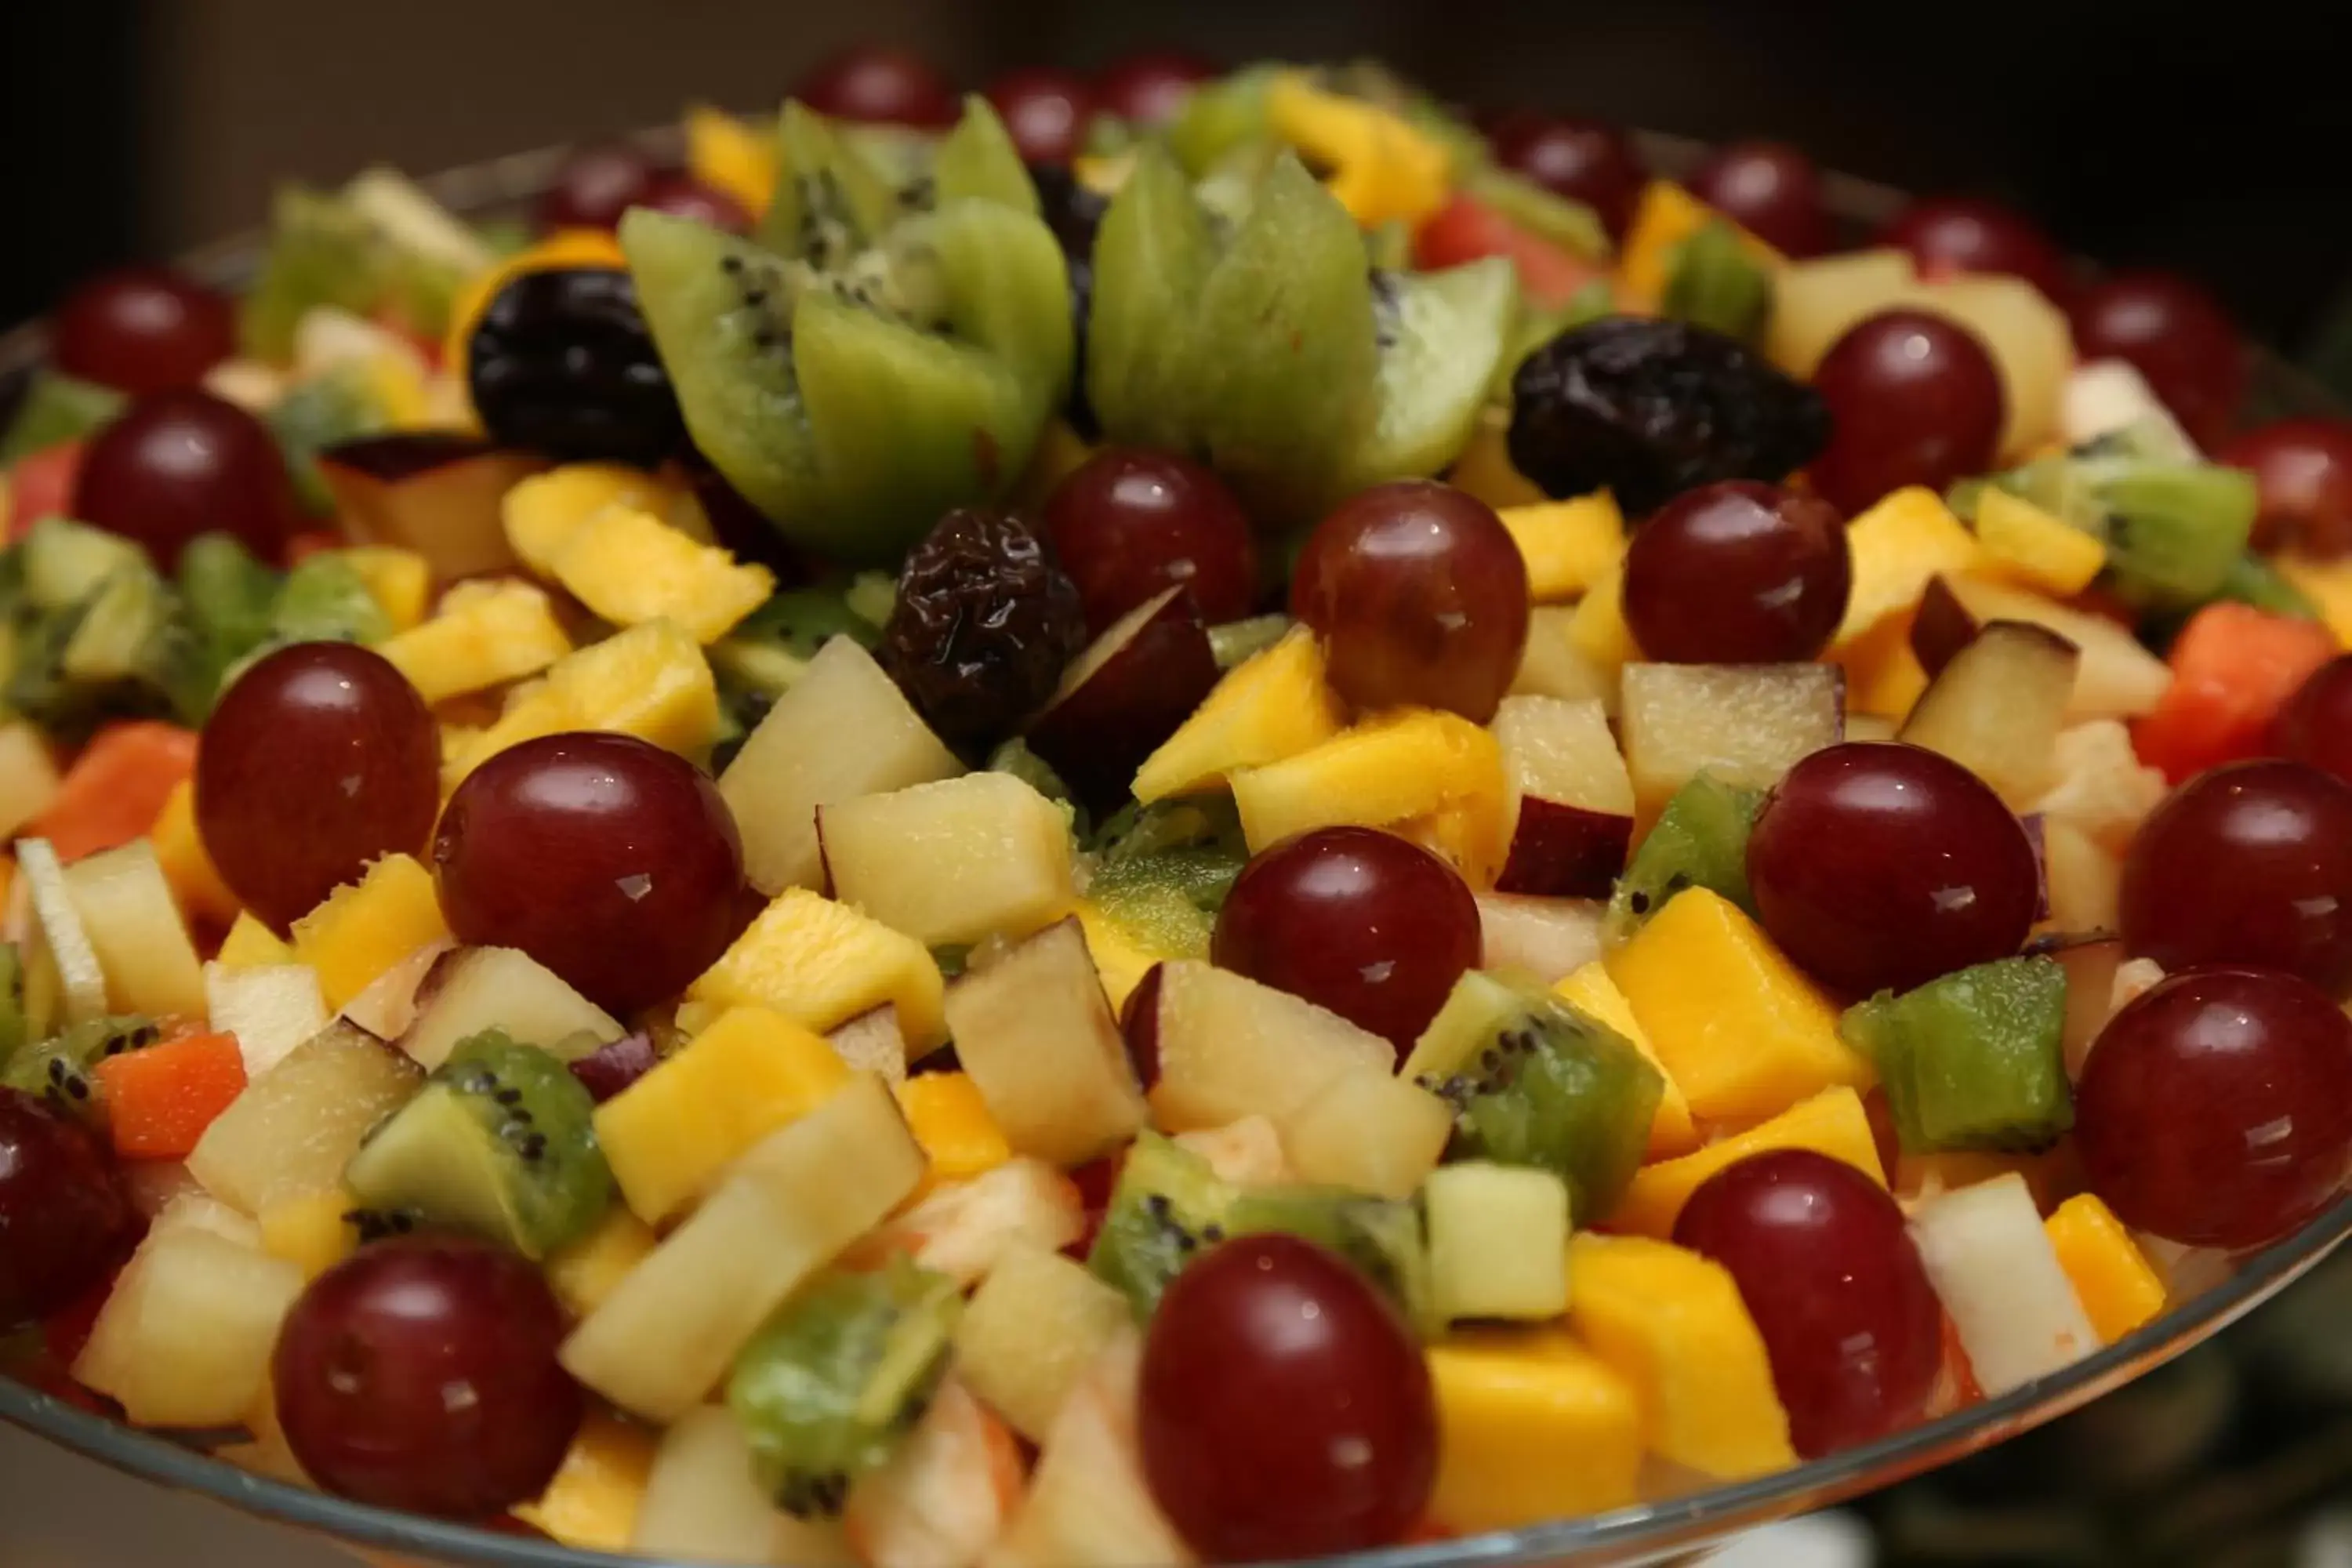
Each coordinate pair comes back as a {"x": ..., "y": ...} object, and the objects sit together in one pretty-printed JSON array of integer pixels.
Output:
[
  {"x": 630, "y": 567},
  {"x": 1591, "y": 991},
  {"x": 1735, "y": 1023},
  {"x": 1597, "y": 631},
  {"x": 1274, "y": 704},
  {"x": 366, "y": 927},
  {"x": 951, "y": 1123},
  {"x": 592, "y": 1504},
  {"x": 485, "y": 634},
  {"x": 1831, "y": 1123},
  {"x": 249, "y": 944},
  {"x": 1671, "y": 1323},
  {"x": 1899, "y": 546},
  {"x": 2119, "y": 1289},
  {"x": 2029, "y": 546},
  {"x": 822, "y": 963},
  {"x": 542, "y": 513},
  {"x": 670, "y": 1134},
  {"x": 1414, "y": 764},
  {"x": 584, "y": 1273},
  {"x": 1569, "y": 545},
  {"x": 195, "y": 881},
  {"x": 1531, "y": 1426}
]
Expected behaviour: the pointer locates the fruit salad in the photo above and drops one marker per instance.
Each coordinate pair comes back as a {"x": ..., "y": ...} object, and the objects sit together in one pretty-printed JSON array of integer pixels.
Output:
[{"x": 1186, "y": 817}]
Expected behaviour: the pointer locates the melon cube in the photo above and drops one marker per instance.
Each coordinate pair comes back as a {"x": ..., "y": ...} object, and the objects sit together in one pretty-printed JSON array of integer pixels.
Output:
[
  {"x": 134, "y": 927},
  {"x": 1498, "y": 1241},
  {"x": 366, "y": 928},
  {"x": 1532, "y": 1427},
  {"x": 1034, "y": 1327},
  {"x": 294, "y": 1129},
  {"x": 1273, "y": 705},
  {"x": 1230, "y": 1048},
  {"x": 186, "y": 1337},
  {"x": 952, "y": 861},
  {"x": 822, "y": 963},
  {"x": 1370, "y": 1132},
  {"x": 1995, "y": 1271},
  {"x": 1037, "y": 1036}
]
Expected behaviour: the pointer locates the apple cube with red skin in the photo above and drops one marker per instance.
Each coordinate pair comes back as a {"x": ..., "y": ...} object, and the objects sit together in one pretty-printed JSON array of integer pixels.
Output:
[
  {"x": 1125, "y": 695},
  {"x": 2116, "y": 677},
  {"x": 1997, "y": 707},
  {"x": 436, "y": 492},
  {"x": 1571, "y": 800}
]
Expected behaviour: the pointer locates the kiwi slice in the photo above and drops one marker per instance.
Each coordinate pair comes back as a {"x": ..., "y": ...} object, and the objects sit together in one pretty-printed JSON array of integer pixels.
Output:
[
  {"x": 1383, "y": 1238},
  {"x": 1973, "y": 1059},
  {"x": 1441, "y": 336},
  {"x": 1700, "y": 841},
  {"x": 1166, "y": 1205},
  {"x": 832, "y": 1384},
  {"x": 500, "y": 1141},
  {"x": 58, "y": 1068}
]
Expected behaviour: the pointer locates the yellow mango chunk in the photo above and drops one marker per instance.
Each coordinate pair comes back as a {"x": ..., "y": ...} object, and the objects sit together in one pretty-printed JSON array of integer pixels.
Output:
[
  {"x": 399, "y": 581},
  {"x": 486, "y": 634},
  {"x": 821, "y": 963},
  {"x": 1484, "y": 470},
  {"x": 195, "y": 882},
  {"x": 366, "y": 927},
  {"x": 630, "y": 567},
  {"x": 1120, "y": 961},
  {"x": 1413, "y": 763},
  {"x": 1671, "y": 1323},
  {"x": 2027, "y": 545},
  {"x": 1597, "y": 629},
  {"x": 1569, "y": 545},
  {"x": 727, "y": 155},
  {"x": 1273, "y": 705},
  {"x": 1883, "y": 676},
  {"x": 2118, "y": 1288},
  {"x": 1899, "y": 546},
  {"x": 252, "y": 945},
  {"x": 1383, "y": 169},
  {"x": 1531, "y": 1427},
  {"x": 313, "y": 1233},
  {"x": 542, "y": 513},
  {"x": 670, "y": 1134},
  {"x": 950, "y": 1122},
  {"x": 650, "y": 681},
  {"x": 1667, "y": 215},
  {"x": 592, "y": 1504},
  {"x": 1735, "y": 1024},
  {"x": 584, "y": 1273},
  {"x": 1591, "y": 991},
  {"x": 2327, "y": 584},
  {"x": 1833, "y": 1122}
]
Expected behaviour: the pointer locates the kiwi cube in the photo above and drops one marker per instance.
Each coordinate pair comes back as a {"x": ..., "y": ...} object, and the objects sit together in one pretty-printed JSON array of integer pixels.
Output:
[
  {"x": 1700, "y": 841},
  {"x": 1972, "y": 1061},
  {"x": 1168, "y": 1205},
  {"x": 59, "y": 1069}
]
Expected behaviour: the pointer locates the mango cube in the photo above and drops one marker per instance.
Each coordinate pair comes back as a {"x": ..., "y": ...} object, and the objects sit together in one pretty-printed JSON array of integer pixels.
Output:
[
  {"x": 486, "y": 634},
  {"x": 1384, "y": 169},
  {"x": 669, "y": 1135},
  {"x": 1735, "y": 1023},
  {"x": 584, "y": 1273},
  {"x": 1484, "y": 470},
  {"x": 650, "y": 681},
  {"x": 1899, "y": 546},
  {"x": 1883, "y": 674},
  {"x": 1273, "y": 705},
  {"x": 951, "y": 1123},
  {"x": 1120, "y": 961},
  {"x": 1833, "y": 1122},
  {"x": 1591, "y": 991},
  {"x": 1671, "y": 1323},
  {"x": 592, "y": 1504},
  {"x": 723, "y": 151},
  {"x": 2119, "y": 1289},
  {"x": 2327, "y": 584},
  {"x": 1569, "y": 545},
  {"x": 822, "y": 963},
  {"x": 630, "y": 567},
  {"x": 542, "y": 513},
  {"x": 1597, "y": 630},
  {"x": 195, "y": 882},
  {"x": 366, "y": 927},
  {"x": 1667, "y": 215},
  {"x": 398, "y": 580},
  {"x": 249, "y": 944},
  {"x": 1412, "y": 765},
  {"x": 313, "y": 1233},
  {"x": 2030, "y": 547},
  {"x": 1531, "y": 1427}
]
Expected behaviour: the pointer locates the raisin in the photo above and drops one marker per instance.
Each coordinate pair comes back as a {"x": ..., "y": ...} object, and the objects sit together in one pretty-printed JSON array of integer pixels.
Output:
[
  {"x": 1649, "y": 409},
  {"x": 983, "y": 624},
  {"x": 563, "y": 364}
]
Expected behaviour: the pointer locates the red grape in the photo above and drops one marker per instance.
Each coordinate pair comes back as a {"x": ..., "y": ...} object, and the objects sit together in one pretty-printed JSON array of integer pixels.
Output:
[
  {"x": 1149, "y": 88},
  {"x": 1044, "y": 111},
  {"x": 1421, "y": 597},
  {"x": 1583, "y": 160},
  {"x": 1881, "y": 866},
  {"x": 1284, "y": 1411},
  {"x": 2177, "y": 335},
  {"x": 873, "y": 82},
  {"x": 65, "y": 1219},
  {"x": 1914, "y": 399},
  {"x": 2250, "y": 863},
  {"x": 142, "y": 329},
  {"x": 1738, "y": 573},
  {"x": 610, "y": 861},
  {"x": 1368, "y": 925},
  {"x": 1127, "y": 523},
  {"x": 2216, "y": 1108},
  {"x": 1139, "y": 1025},
  {"x": 2303, "y": 469},
  {"x": 1966, "y": 234},
  {"x": 178, "y": 464},
  {"x": 2315, "y": 725},
  {"x": 595, "y": 186},
  {"x": 316, "y": 760},
  {"x": 1855, "y": 1331},
  {"x": 1769, "y": 189},
  {"x": 682, "y": 195},
  {"x": 420, "y": 1374}
]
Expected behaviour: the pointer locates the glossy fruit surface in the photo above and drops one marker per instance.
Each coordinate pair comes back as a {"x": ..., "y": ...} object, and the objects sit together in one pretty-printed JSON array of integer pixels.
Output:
[
  {"x": 2303, "y": 471},
  {"x": 1819, "y": 1250},
  {"x": 177, "y": 464},
  {"x": 2315, "y": 725},
  {"x": 1584, "y": 160},
  {"x": 316, "y": 760},
  {"x": 1149, "y": 88},
  {"x": 2247, "y": 864},
  {"x": 1914, "y": 399},
  {"x": 142, "y": 329},
  {"x": 1769, "y": 189},
  {"x": 2177, "y": 335},
  {"x": 595, "y": 186},
  {"x": 682, "y": 195},
  {"x": 873, "y": 82},
  {"x": 1421, "y": 597},
  {"x": 1139, "y": 1025},
  {"x": 1044, "y": 111},
  {"x": 610, "y": 861},
  {"x": 2216, "y": 1108},
  {"x": 1129, "y": 523},
  {"x": 65, "y": 1219},
  {"x": 1947, "y": 235},
  {"x": 420, "y": 1374},
  {"x": 1881, "y": 866},
  {"x": 1738, "y": 573},
  {"x": 1362, "y": 922},
  {"x": 1284, "y": 1411}
]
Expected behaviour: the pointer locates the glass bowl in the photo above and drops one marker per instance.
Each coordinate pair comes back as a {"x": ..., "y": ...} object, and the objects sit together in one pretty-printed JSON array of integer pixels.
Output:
[{"x": 1649, "y": 1533}]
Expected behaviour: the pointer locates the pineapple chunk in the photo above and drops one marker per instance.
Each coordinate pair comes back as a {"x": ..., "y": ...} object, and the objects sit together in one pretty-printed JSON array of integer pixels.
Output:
[
  {"x": 650, "y": 681},
  {"x": 194, "y": 880},
  {"x": 1589, "y": 991},
  {"x": 1120, "y": 960},
  {"x": 2029, "y": 547},
  {"x": 593, "y": 1502},
  {"x": 292, "y": 1132},
  {"x": 630, "y": 567},
  {"x": 135, "y": 928},
  {"x": 398, "y": 580},
  {"x": 1551, "y": 666},
  {"x": 28, "y": 776},
  {"x": 486, "y": 634},
  {"x": 1733, "y": 1021},
  {"x": 542, "y": 512},
  {"x": 871, "y": 1043},
  {"x": 1531, "y": 1427},
  {"x": 313, "y": 1233},
  {"x": 949, "y": 1119},
  {"x": 270, "y": 1008},
  {"x": 1669, "y": 214},
  {"x": 1498, "y": 1241},
  {"x": 1745, "y": 724},
  {"x": 1370, "y": 1132},
  {"x": 821, "y": 963},
  {"x": 1899, "y": 546},
  {"x": 1569, "y": 545},
  {"x": 1671, "y": 1323},
  {"x": 1037, "y": 1036},
  {"x": 2112, "y": 1277},
  {"x": 1033, "y": 1328},
  {"x": 952, "y": 861},
  {"x": 185, "y": 1339},
  {"x": 366, "y": 928},
  {"x": 1831, "y": 1123},
  {"x": 586, "y": 1273},
  {"x": 1274, "y": 704},
  {"x": 252, "y": 945},
  {"x": 1414, "y": 764},
  {"x": 505, "y": 988},
  {"x": 797, "y": 759},
  {"x": 669, "y": 1135}
]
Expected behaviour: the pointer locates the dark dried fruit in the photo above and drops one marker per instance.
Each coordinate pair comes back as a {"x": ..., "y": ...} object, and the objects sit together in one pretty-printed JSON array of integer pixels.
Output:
[
  {"x": 983, "y": 624},
  {"x": 561, "y": 363},
  {"x": 1649, "y": 409}
]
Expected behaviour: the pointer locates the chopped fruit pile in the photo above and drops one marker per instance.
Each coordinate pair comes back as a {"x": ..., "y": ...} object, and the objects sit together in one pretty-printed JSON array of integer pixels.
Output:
[{"x": 1183, "y": 817}]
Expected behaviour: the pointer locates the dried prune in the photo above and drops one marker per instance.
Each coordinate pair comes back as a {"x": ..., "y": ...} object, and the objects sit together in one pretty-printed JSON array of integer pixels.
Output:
[
  {"x": 561, "y": 363},
  {"x": 1649, "y": 409},
  {"x": 983, "y": 624}
]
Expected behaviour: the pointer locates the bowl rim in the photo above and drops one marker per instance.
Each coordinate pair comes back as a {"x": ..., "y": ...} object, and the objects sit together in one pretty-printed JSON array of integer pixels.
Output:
[{"x": 1641, "y": 1533}]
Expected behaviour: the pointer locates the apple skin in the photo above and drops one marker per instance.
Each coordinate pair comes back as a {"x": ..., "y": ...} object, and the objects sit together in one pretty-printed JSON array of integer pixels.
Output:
[
  {"x": 435, "y": 492},
  {"x": 1942, "y": 627},
  {"x": 1123, "y": 696},
  {"x": 1563, "y": 851}
]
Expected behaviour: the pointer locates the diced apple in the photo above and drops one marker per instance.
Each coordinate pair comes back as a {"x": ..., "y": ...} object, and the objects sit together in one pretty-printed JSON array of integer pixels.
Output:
[
  {"x": 63, "y": 978},
  {"x": 1088, "y": 1503},
  {"x": 136, "y": 930},
  {"x": 28, "y": 776},
  {"x": 1368, "y": 1132},
  {"x": 2102, "y": 789},
  {"x": 2118, "y": 678},
  {"x": 1570, "y": 800},
  {"x": 1037, "y": 1036},
  {"x": 186, "y": 1337},
  {"x": 1273, "y": 705},
  {"x": 965, "y": 1229},
  {"x": 1997, "y": 707},
  {"x": 799, "y": 758},
  {"x": 271, "y": 1009},
  {"x": 505, "y": 988},
  {"x": 871, "y": 1042},
  {"x": 1746, "y": 724},
  {"x": 2011, "y": 1305},
  {"x": 1545, "y": 940},
  {"x": 952, "y": 861},
  {"x": 1034, "y": 1327},
  {"x": 1122, "y": 698},
  {"x": 1816, "y": 300},
  {"x": 2110, "y": 394},
  {"x": 389, "y": 1008},
  {"x": 2033, "y": 350},
  {"x": 1230, "y": 1048},
  {"x": 431, "y": 491},
  {"x": 293, "y": 1129},
  {"x": 703, "y": 1504},
  {"x": 1551, "y": 665}
]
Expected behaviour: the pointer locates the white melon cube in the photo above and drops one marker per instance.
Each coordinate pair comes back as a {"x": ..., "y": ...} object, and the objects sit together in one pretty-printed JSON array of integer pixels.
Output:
[{"x": 1498, "y": 1241}]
